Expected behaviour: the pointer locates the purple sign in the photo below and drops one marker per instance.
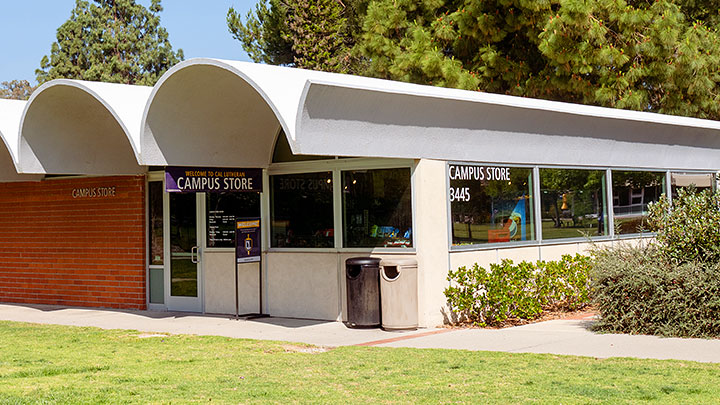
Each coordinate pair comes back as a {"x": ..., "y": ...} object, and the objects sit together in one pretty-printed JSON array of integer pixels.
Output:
[
  {"x": 212, "y": 180},
  {"x": 247, "y": 237}
]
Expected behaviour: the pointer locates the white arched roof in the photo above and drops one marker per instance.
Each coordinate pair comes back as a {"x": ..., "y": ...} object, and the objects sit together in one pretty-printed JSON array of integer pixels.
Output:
[
  {"x": 227, "y": 113},
  {"x": 10, "y": 114},
  {"x": 79, "y": 127}
]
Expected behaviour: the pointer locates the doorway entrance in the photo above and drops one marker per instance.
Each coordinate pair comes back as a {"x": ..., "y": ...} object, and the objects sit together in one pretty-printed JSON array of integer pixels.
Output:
[
  {"x": 200, "y": 243},
  {"x": 191, "y": 233},
  {"x": 183, "y": 250}
]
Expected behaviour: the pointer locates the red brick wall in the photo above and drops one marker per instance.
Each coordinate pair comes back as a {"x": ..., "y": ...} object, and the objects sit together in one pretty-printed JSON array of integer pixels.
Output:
[{"x": 76, "y": 251}]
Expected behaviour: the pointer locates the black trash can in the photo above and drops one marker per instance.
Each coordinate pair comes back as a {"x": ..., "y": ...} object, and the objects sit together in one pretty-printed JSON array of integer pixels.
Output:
[{"x": 362, "y": 279}]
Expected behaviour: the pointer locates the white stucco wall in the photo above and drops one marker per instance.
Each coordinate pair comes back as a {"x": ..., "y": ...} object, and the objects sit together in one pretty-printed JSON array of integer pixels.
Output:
[
  {"x": 431, "y": 237},
  {"x": 302, "y": 285},
  {"x": 219, "y": 284}
]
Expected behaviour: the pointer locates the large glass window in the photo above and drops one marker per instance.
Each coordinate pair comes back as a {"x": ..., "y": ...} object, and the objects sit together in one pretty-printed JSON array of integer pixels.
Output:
[
  {"x": 573, "y": 203},
  {"x": 302, "y": 210},
  {"x": 632, "y": 192},
  {"x": 491, "y": 204},
  {"x": 377, "y": 208},
  {"x": 220, "y": 213},
  {"x": 701, "y": 181}
]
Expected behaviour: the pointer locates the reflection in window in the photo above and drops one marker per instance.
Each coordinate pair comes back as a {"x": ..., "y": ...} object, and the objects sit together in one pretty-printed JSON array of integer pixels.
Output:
[
  {"x": 573, "y": 203},
  {"x": 701, "y": 181},
  {"x": 155, "y": 213},
  {"x": 491, "y": 204},
  {"x": 221, "y": 211},
  {"x": 302, "y": 210},
  {"x": 377, "y": 208},
  {"x": 632, "y": 192}
]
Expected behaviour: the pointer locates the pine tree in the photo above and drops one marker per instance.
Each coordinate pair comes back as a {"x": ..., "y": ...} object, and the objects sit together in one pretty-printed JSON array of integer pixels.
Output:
[
  {"x": 117, "y": 41},
  {"x": 309, "y": 34},
  {"x": 644, "y": 55},
  {"x": 16, "y": 90}
]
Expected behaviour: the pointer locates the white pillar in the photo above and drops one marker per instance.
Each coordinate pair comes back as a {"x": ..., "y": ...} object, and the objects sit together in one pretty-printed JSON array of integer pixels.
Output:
[{"x": 431, "y": 218}]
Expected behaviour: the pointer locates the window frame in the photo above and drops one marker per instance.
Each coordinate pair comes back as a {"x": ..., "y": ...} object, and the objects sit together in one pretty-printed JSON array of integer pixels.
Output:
[
  {"x": 482, "y": 246},
  {"x": 337, "y": 166},
  {"x": 539, "y": 241}
]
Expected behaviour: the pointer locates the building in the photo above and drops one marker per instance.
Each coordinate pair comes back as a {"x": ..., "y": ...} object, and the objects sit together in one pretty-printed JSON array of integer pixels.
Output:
[{"x": 335, "y": 166}]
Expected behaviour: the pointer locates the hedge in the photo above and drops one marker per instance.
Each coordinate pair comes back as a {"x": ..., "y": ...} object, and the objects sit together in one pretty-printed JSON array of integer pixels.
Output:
[{"x": 517, "y": 292}]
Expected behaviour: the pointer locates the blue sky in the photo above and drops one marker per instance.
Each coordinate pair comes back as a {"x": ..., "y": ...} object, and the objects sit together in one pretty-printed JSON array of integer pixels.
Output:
[{"x": 27, "y": 29}]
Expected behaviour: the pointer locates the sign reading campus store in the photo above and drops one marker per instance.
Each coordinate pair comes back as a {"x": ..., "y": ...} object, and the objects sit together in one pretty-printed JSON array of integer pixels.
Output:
[
  {"x": 490, "y": 204},
  {"x": 93, "y": 192},
  {"x": 247, "y": 237},
  {"x": 212, "y": 180}
]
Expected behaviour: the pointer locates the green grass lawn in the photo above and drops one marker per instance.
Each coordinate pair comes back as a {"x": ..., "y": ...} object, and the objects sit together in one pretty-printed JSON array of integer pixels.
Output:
[{"x": 49, "y": 364}]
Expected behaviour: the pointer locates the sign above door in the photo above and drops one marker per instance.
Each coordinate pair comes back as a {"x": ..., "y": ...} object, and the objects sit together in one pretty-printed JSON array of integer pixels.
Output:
[{"x": 212, "y": 180}]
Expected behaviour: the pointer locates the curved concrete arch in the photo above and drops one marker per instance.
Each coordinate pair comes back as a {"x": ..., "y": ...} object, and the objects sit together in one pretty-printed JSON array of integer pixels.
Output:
[
  {"x": 10, "y": 115},
  {"x": 220, "y": 113},
  {"x": 79, "y": 127}
]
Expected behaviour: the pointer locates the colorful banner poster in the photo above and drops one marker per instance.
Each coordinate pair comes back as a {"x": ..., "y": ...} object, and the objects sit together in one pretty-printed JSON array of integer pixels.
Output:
[
  {"x": 212, "y": 180},
  {"x": 247, "y": 240},
  {"x": 518, "y": 216}
]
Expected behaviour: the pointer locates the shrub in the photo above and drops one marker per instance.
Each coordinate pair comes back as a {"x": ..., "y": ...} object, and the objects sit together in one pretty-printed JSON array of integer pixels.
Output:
[
  {"x": 687, "y": 230},
  {"x": 637, "y": 290},
  {"x": 508, "y": 291}
]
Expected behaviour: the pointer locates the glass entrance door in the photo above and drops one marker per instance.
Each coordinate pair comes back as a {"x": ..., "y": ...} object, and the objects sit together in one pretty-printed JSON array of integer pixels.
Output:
[{"x": 184, "y": 281}]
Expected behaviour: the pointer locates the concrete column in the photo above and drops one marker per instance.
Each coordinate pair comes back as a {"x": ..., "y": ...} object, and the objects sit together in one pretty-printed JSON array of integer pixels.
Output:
[{"x": 431, "y": 238}]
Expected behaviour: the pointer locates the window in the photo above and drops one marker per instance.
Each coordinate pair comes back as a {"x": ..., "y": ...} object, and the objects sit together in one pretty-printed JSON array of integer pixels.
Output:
[
  {"x": 156, "y": 282},
  {"x": 491, "y": 204},
  {"x": 155, "y": 213},
  {"x": 377, "y": 208},
  {"x": 302, "y": 210},
  {"x": 701, "y": 181},
  {"x": 220, "y": 213},
  {"x": 632, "y": 192},
  {"x": 573, "y": 203}
]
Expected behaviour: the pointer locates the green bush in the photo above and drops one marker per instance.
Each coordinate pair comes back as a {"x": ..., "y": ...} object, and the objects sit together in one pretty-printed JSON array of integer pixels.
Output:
[
  {"x": 688, "y": 230},
  {"x": 508, "y": 291},
  {"x": 638, "y": 290}
]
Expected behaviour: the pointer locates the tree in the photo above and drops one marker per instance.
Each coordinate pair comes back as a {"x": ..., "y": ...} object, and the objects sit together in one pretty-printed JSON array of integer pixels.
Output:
[
  {"x": 660, "y": 56},
  {"x": 16, "y": 89},
  {"x": 309, "y": 34},
  {"x": 116, "y": 41}
]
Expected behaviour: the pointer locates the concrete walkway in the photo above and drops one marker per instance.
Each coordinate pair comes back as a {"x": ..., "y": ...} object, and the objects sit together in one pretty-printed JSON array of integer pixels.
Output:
[{"x": 567, "y": 337}]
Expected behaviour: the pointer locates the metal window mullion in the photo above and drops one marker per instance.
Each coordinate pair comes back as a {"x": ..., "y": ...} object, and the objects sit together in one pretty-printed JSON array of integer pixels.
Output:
[
  {"x": 337, "y": 208},
  {"x": 537, "y": 204},
  {"x": 610, "y": 203},
  {"x": 265, "y": 212}
]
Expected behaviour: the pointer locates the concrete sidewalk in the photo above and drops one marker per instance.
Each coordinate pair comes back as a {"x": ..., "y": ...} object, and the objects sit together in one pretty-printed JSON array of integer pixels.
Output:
[{"x": 566, "y": 337}]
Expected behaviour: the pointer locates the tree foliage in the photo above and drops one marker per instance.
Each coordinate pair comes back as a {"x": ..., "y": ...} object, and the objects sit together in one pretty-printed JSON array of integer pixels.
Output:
[
  {"x": 16, "y": 89},
  {"x": 116, "y": 41},
  {"x": 661, "y": 56},
  {"x": 309, "y": 34}
]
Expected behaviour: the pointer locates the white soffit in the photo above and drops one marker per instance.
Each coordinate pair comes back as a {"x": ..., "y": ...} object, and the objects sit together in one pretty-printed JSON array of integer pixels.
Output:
[
  {"x": 79, "y": 127},
  {"x": 10, "y": 114}
]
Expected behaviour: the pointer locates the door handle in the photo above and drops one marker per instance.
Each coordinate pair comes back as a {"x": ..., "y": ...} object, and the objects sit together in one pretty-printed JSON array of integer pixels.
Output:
[{"x": 194, "y": 255}]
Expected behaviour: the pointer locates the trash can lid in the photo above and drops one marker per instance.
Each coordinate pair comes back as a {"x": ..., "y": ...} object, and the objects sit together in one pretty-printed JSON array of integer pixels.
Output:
[
  {"x": 362, "y": 261},
  {"x": 399, "y": 262}
]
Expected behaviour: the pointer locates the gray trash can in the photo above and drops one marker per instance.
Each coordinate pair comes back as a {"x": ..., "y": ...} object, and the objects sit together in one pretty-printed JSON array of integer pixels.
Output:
[
  {"x": 363, "y": 292},
  {"x": 398, "y": 294}
]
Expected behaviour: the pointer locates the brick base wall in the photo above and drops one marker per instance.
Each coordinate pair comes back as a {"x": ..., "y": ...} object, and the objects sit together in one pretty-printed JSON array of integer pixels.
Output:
[{"x": 75, "y": 242}]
